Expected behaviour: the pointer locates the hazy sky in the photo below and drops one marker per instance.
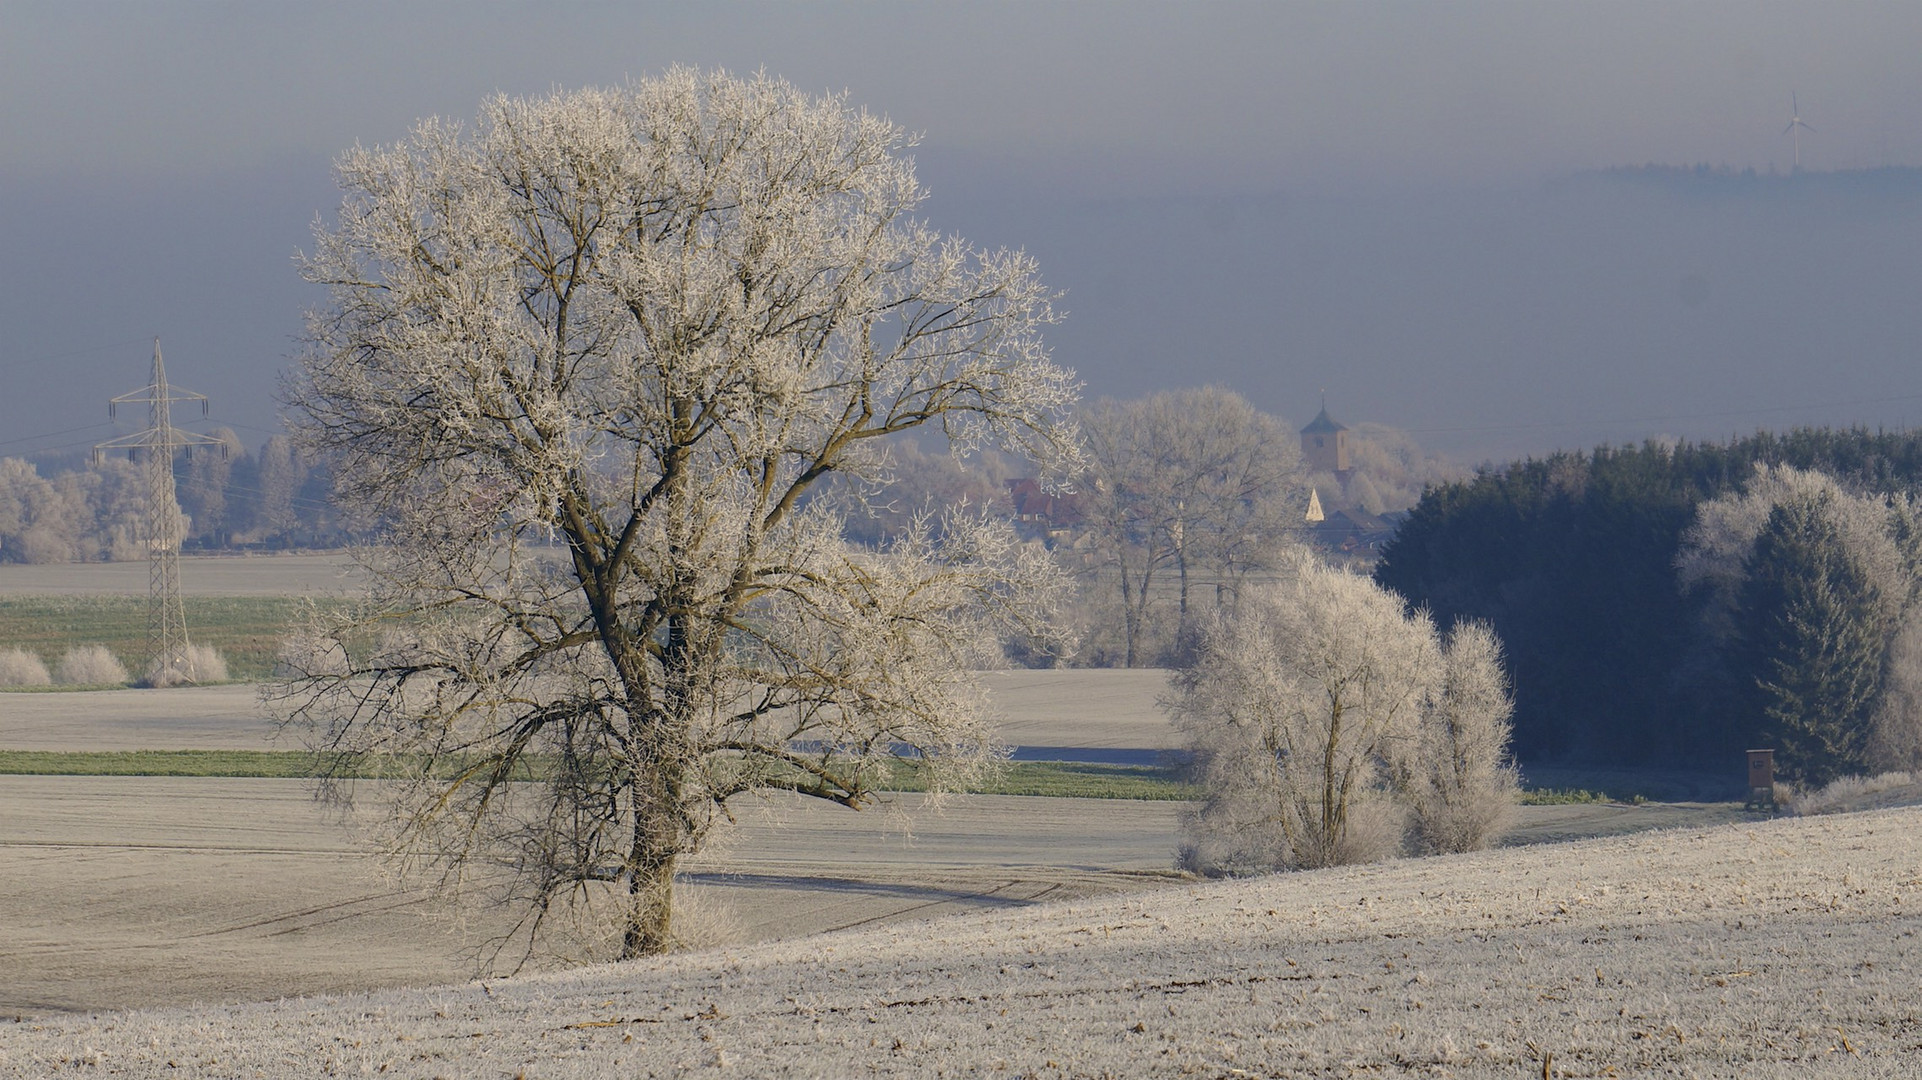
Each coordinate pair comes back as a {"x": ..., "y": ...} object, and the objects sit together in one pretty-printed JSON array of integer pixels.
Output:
[{"x": 1276, "y": 197}]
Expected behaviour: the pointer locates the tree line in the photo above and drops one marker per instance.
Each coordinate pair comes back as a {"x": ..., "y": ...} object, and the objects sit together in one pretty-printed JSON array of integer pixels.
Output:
[
  {"x": 229, "y": 497},
  {"x": 1676, "y": 604}
]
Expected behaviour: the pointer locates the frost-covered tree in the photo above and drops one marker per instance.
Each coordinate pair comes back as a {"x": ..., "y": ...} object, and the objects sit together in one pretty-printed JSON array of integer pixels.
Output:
[
  {"x": 26, "y": 498},
  {"x": 1195, "y": 483},
  {"x": 202, "y": 479},
  {"x": 280, "y": 473},
  {"x": 583, "y": 364},
  {"x": 1809, "y": 585},
  {"x": 1812, "y": 629},
  {"x": 1895, "y": 741},
  {"x": 1296, "y": 703},
  {"x": 1456, "y": 772}
]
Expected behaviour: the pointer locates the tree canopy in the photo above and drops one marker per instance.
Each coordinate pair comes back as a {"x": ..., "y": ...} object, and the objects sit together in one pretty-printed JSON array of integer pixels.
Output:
[{"x": 583, "y": 364}]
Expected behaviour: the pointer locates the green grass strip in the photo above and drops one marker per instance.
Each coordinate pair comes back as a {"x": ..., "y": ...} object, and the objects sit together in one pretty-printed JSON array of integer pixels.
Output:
[
  {"x": 272, "y": 764},
  {"x": 1055, "y": 779},
  {"x": 1066, "y": 780},
  {"x": 1059, "y": 779},
  {"x": 246, "y": 630}
]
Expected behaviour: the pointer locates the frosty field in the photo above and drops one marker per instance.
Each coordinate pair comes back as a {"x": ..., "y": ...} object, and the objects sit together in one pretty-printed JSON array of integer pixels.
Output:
[
  {"x": 119, "y": 892},
  {"x": 1782, "y": 948},
  {"x": 126, "y": 891},
  {"x": 1721, "y": 946}
]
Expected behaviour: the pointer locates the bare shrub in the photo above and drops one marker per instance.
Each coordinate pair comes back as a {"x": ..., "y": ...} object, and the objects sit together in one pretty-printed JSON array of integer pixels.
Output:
[
  {"x": 208, "y": 664},
  {"x": 19, "y": 667},
  {"x": 89, "y": 665},
  {"x": 1456, "y": 772},
  {"x": 201, "y": 664},
  {"x": 1847, "y": 794},
  {"x": 703, "y": 921}
]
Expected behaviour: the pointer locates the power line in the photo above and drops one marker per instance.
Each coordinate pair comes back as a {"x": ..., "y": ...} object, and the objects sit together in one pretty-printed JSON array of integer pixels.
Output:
[
  {"x": 80, "y": 352},
  {"x": 53, "y": 434}
]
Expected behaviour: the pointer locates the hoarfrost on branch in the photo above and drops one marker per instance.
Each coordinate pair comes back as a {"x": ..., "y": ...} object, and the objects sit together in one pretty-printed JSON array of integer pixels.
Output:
[{"x": 582, "y": 364}]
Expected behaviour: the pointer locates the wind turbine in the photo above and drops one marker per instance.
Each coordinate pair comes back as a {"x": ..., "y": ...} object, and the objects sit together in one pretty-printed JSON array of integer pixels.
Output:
[{"x": 1795, "y": 123}]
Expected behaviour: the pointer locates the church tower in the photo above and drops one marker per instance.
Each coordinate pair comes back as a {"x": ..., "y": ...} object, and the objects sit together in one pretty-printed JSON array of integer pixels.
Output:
[{"x": 1324, "y": 446}]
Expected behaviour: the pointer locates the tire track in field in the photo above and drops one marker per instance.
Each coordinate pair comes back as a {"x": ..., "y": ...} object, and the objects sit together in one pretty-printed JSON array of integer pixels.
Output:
[
  {"x": 356, "y": 902},
  {"x": 977, "y": 897}
]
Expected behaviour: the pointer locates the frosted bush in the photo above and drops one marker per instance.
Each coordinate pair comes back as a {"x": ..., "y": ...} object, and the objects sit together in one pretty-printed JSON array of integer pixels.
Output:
[
  {"x": 1292, "y": 704},
  {"x": 21, "y": 668},
  {"x": 86, "y": 665},
  {"x": 204, "y": 664},
  {"x": 1455, "y": 771},
  {"x": 209, "y": 665}
]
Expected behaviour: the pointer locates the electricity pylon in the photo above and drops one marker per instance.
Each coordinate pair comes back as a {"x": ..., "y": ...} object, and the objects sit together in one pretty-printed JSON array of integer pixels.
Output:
[{"x": 170, "y": 661}]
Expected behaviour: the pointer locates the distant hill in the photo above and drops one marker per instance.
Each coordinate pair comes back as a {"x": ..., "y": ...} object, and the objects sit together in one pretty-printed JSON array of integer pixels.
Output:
[{"x": 1889, "y": 184}]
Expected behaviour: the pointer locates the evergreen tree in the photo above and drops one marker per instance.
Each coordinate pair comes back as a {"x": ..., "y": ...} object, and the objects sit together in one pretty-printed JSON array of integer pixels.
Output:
[{"x": 1813, "y": 630}]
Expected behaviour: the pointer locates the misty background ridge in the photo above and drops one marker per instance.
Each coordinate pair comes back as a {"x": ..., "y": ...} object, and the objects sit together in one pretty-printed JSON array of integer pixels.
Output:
[{"x": 1603, "y": 306}]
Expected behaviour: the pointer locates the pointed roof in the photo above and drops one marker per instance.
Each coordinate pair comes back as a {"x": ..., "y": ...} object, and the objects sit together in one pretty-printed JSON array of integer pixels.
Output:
[
  {"x": 1322, "y": 423},
  {"x": 1315, "y": 515}
]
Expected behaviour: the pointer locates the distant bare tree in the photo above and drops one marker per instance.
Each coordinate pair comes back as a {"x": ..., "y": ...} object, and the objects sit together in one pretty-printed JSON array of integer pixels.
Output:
[
  {"x": 914, "y": 482},
  {"x": 24, "y": 501},
  {"x": 1395, "y": 468},
  {"x": 1297, "y": 700},
  {"x": 203, "y": 484},
  {"x": 282, "y": 472},
  {"x": 1190, "y": 481},
  {"x": 647, "y": 323}
]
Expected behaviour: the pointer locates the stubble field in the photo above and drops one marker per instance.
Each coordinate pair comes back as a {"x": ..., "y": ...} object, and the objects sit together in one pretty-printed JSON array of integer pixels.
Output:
[
  {"x": 120, "y": 892},
  {"x": 1775, "y": 949}
]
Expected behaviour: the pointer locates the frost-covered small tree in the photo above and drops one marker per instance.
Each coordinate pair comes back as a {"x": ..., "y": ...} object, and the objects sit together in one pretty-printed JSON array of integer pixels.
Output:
[
  {"x": 83, "y": 665},
  {"x": 1895, "y": 743},
  {"x": 584, "y": 364},
  {"x": 1456, "y": 772},
  {"x": 1298, "y": 699}
]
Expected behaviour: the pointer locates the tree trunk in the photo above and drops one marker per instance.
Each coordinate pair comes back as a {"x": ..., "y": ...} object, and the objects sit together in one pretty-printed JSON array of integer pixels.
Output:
[
  {"x": 1130, "y": 615},
  {"x": 655, "y": 790},
  {"x": 650, "y": 900},
  {"x": 1331, "y": 805}
]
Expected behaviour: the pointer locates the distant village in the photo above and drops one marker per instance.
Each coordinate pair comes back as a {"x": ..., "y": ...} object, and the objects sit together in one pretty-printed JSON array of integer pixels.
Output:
[{"x": 1333, "y": 520}]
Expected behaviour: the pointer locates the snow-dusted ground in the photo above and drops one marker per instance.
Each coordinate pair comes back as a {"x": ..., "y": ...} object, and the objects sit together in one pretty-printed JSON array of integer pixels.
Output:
[
  {"x": 179, "y": 718},
  {"x": 130, "y": 891},
  {"x": 1783, "y": 948}
]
